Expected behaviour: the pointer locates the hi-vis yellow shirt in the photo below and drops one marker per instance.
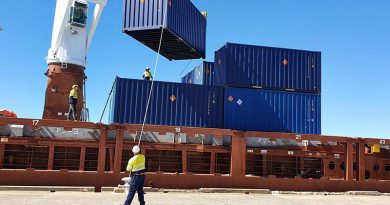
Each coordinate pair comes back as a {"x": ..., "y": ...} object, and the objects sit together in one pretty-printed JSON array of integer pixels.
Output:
[
  {"x": 148, "y": 74},
  {"x": 136, "y": 163},
  {"x": 73, "y": 93}
]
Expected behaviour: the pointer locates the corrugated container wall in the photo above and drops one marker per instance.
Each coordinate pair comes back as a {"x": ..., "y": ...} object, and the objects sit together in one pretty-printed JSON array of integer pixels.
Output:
[
  {"x": 184, "y": 26},
  {"x": 189, "y": 77},
  {"x": 208, "y": 73},
  {"x": 173, "y": 104},
  {"x": 272, "y": 111},
  {"x": 202, "y": 74},
  {"x": 241, "y": 65}
]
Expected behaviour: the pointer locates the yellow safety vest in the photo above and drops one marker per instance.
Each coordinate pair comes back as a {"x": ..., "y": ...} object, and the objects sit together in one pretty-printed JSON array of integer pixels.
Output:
[
  {"x": 136, "y": 163},
  {"x": 148, "y": 74},
  {"x": 73, "y": 93}
]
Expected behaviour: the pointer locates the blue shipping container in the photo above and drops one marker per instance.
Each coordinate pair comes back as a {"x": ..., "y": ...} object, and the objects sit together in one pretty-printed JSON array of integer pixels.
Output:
[
  {"x": 268, "y": 68},
  {"x": 202, "y": 74},
  {"x": 208, "y": 73},
  {"x": 184, "y": 26},
  {"x": 272, "y": 111},
  {"x": 189, "y": 77},
  {"x": 173, "y": 104}
]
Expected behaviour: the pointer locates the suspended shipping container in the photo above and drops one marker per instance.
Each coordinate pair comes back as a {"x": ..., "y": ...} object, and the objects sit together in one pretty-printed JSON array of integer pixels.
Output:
[
  {"x": 272, "y": 111},
  {"x": 173, "y": 104},
  {"x": 202, "y": 74},
  {"x": 184, "y": 27},
  {"x": 241, "y": 65}
]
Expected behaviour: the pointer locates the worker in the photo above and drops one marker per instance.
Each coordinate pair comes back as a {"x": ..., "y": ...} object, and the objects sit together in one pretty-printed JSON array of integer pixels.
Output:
[
  {"x": 136, "y": 167},
  {"x": 73, "y": 102},
  {"x": 147, "y": 74}
]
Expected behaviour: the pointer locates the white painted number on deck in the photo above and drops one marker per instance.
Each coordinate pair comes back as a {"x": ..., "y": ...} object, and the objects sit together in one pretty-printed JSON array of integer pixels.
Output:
[
  {"x": 298, "y": 137},
  {"x": 177, "y": 129},
  {"x": 35, "y": 122},
  {"x": 73, "y": 131},
  {"x": 382, "y": 142}
]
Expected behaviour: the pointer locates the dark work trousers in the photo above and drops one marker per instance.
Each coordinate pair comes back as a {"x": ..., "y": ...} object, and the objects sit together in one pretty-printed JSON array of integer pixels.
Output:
[
  {"x": 72, "y": 110},
  {"x": 136, "y": 185}
]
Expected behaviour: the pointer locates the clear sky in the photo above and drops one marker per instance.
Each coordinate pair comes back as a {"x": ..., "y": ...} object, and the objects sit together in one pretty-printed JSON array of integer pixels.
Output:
[{"x": 353, "y": 36}]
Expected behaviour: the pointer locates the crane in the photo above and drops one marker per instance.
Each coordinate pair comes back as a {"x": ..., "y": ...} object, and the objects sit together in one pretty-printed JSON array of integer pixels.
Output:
[{"x": 67, "y": 56}]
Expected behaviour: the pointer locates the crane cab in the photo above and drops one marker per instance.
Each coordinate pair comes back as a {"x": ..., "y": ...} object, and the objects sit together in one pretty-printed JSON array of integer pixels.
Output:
[{"x": 78, "y": 14}]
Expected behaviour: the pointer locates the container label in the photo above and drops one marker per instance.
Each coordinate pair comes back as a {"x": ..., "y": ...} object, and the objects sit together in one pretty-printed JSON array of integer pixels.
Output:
[
  {"x": 239, "y": 102},
  {"x": 173, "y": 98},
  {"x": 285, "y": 62},
  {"x": 230, "y": 98}
]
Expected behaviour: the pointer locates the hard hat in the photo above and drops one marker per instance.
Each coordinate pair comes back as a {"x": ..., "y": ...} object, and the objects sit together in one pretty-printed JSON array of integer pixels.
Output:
[
  {"x": 147, "y": 68},
  {"x": 136, "y": 149},
  {"x": 75, "y": 86}
]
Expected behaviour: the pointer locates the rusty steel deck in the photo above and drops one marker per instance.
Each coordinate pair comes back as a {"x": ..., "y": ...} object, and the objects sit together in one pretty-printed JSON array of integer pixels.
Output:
[{"x": 35, "y": 152}]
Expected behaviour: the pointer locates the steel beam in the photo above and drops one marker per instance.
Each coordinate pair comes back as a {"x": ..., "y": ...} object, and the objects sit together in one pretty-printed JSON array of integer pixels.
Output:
[
  {"x": 118, "y": 150},
  {"x": 238, "y": 155},
  {"x": 133, "y": 128},
  {"x": 361, "y": 161},
  {"x": 111, "y": 155},
  {"x": 180, "y": 181},
  {"x": 2, "y": 148},
  {"x": 50, "y": 160},
  {"x": 184, "y": 162},
  {"x": 48, "y": 123},
  {"x": 301, "y": 165},
  {"x": 212, "y": 163},
  {"x": 264, "y": 165},
  {"x": 189, "y": 130},
  {"x": 82, "y": 158},
  {"x": 102, "y": 150},
  {"x": 349, "y": 161}
]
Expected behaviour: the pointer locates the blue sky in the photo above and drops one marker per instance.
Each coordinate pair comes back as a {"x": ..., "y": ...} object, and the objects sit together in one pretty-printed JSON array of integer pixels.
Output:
[{"x": 353, "y": 36}]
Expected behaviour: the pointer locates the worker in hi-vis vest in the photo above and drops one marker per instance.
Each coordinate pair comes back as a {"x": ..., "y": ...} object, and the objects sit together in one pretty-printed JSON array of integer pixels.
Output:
[
  {"x": 73, "y": 94},
  {"x": 147, "y": 74},
  {"x": 136, "y": 167}
]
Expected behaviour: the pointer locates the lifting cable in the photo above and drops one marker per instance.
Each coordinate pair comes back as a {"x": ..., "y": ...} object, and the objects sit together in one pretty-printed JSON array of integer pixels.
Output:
[
  {"x": 109, "y": 97},
  {"x": 185, "y": 68},
  {"x": 154, "y": 75}
]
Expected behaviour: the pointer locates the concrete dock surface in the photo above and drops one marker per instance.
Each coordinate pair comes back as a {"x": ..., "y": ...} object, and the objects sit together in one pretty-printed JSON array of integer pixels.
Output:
[{"x": 185, "y": 198}]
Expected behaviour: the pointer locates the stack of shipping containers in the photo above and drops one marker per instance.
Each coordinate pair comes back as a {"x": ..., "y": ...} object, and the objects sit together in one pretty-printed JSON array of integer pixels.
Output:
[
  {"x": 202, "y": 74},
  {"x": 265, "y": 88},
  {"x": 182, "y": 29},
  {"x": 246, "y": 87},
  {"x": 269, "y": 89}
]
